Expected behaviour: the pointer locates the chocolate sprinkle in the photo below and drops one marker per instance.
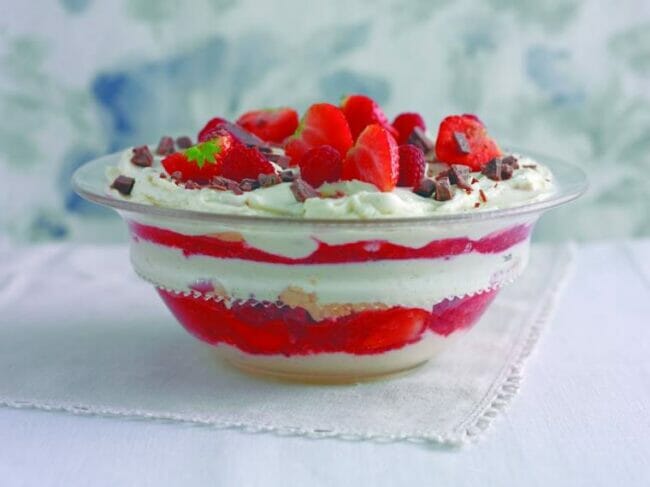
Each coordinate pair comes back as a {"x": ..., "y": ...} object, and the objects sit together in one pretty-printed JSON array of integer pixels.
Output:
[
  {"x": 426, "y": 188},
  {"x": 142, "y": 156},
  {"x": 443, "y": 189},
  {"x": 462, "y": 143},
  {"x": 267, "y": 180},
  {"x": 302, "y": 190},
  {"x": 165, "y": 146},
  {"x": 481, "y": 194},
  {"x": 123, "y": 184},
  {"x": 287, "y": 176},
  {"x": 419, "y": 139},
  {"x": 184, "y": 142},
  {"x": 249, "y": 184}
]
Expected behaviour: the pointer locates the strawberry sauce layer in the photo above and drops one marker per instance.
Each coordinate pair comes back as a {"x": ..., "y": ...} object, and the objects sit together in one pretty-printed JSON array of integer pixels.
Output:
[
  {"x": 361, "y": 251},
  {"x": 266, "y": 328}
]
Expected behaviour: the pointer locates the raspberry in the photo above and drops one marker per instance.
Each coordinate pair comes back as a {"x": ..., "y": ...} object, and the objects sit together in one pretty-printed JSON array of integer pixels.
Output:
[
  {"x": 404, "y": 123},
  {"x": 412, "y": 166},
  {"x": 320, "y": 165}
]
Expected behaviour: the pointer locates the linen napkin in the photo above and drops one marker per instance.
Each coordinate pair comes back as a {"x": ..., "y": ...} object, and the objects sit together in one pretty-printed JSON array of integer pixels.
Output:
[{"x": 79, "y": 332}]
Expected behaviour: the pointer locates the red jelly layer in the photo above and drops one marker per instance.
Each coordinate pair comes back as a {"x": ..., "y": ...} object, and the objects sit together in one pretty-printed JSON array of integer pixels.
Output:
[
  {"x": 361, "y": 251},
  {"x": 268, "y": 328}
]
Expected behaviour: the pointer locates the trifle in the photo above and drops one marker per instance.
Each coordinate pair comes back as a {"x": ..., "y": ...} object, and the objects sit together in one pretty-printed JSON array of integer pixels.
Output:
[{"x": 334, "y": 247}]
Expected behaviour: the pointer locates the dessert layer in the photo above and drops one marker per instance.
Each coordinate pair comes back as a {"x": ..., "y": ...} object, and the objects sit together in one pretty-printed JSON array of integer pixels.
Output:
[
  {"x": 269, "y": 329},
  {"x": 343, "y": 200},
  {"x": 418, "y": 283}
]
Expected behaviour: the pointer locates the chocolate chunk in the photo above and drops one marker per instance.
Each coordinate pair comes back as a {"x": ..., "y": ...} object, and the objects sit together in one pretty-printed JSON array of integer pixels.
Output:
[
  {"x": 462, "y": 143},
  {"x": 443, "y": 189},
  {"x": 243, "y": 135},
  {"x": 249, "y": 184},
  {"x": 123, "y": 184},
  {"x": 165, "y": 146},
  {"x": 302, "y": 190},
  {"x": 419, "y": 139},
  {"x": 458, "y": 175},
  {"x": 497, "y": 170},
  {"x": 267, "y": 180},
  {"x": 287, "y": 176},
  {"x": 142, "y": 156},
  {"x": 265, "y": 150},
  {"x": 224, "y": 184},
  {"x": 426, "y": 188},
  {"x": 280, "y": 159},
  {"x": 192, "y": 185},
  {"x": 184, "y": 142},
  {"x": 510, "y": 161}
]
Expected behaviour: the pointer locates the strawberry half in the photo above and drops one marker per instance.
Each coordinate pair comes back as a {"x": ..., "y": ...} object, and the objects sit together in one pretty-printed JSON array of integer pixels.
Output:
[
  {"x": 373, "y": 159},
  {"x": 243, "y": 162},
  {"x": 201, "y": 162},
  {"x": 361, "y": 111},
  {"x": 322, "y": 124},
  {"x": 321, "y": 165},
  {"x": 271, "y": 125},
  {"x": 463, "y": 139},
  {"x": 404, "y": 123}
]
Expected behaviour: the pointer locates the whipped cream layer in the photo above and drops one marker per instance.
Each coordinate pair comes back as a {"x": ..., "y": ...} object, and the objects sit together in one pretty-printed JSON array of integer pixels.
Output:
[
  {"x": 413, "y": 283},
  {"x": 347, "y": 200}
]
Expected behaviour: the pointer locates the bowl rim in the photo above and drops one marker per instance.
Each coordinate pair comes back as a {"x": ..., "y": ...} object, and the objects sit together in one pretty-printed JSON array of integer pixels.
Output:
[{"x": 89, "y": 182}]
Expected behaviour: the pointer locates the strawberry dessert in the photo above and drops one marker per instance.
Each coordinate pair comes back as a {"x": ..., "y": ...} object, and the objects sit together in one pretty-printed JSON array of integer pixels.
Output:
[{"x": 334, "y": 246}]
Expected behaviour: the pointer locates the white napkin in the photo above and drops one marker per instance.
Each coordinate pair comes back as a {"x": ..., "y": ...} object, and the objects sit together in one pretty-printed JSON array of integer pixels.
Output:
[{"x": 79, "y": 332}]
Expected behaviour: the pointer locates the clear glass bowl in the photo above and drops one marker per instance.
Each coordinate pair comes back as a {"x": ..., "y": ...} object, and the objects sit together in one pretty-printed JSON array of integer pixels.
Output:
[{"x": 327, "y": 300}]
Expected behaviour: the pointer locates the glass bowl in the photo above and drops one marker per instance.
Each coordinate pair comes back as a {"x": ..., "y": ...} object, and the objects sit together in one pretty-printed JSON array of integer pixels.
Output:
[{"x": 327, "y": 300}]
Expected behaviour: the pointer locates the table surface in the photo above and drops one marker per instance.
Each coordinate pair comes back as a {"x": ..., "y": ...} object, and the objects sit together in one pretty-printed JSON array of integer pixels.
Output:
[{"x": 582, "y": 417}]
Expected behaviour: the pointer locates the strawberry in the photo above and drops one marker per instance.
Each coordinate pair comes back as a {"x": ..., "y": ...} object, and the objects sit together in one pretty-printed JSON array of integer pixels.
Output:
[
  {"x": 404, "y": 123},
  {"x": 320, "y": 165},
  {"x": 271, "y": 125},
  {"x": 322, "y": 124},
  {"x": 412, "y": 166},
  {"x": 208, "y": 130},
  {"x": 243, "y": 162},
  {"x": 462, "y": 139},
  {"x": 361, "y": 111},
  {"x": 373, "y": 159},
  {"x": 201, "y": 162}
]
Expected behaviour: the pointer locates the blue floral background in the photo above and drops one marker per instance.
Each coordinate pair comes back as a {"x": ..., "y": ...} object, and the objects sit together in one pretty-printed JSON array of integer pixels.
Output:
[{"x": 81, "y": 78}]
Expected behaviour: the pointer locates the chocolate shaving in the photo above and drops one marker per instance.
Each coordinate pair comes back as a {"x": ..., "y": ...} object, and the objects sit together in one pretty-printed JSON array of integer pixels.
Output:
[
  {"x": 224, "y": 184},
  {"x": 474, "y": 180},
  {"x": 280, "y": 159},
  {"x": 287, "y": 176},
  {"x": 191, "y": 185},
  {"x": 419, "y": 139},
  {"x": 142, "y": 156},
  {"x": 458, "y": 175},
  {"x": 477, "y": 204},
  {"x": 165, "y": 146},
  {"x": 184, "y": 142},
  {"x": 123, "y": 184},
  {"x": 481, "y": 195},
  {"x": 267, "y": 180},
  {"x": 462, "y": 143},
  {"x": 302, "y": 190},
  {"x": 530, "y": 166},
  {"x": 443, "y": 189},
  {"x": 426, "y": 188},
  {"x": 249, "y": 184}
]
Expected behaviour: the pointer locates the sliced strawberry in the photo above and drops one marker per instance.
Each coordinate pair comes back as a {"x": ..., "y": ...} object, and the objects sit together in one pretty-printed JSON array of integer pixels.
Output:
[
  {"x": 243, "y": 162},
  {"x": 271, "y": 125},
  {"x": 320, "y": 165},
  {"x": 201, "y": 162},
  {"x": 322, "y": 124},
  {"x": 373, "y": 159},
  {"x": 462, "y": 139},
  {"x": 412, "y": 166},
  {"x": 404, "y": 123},
  {"x": 361, "y": 111},
  {"x": 208, "y": 130}
]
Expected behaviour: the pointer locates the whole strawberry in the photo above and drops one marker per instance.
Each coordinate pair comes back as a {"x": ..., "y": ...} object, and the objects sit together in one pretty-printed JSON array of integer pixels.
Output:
[
  {"x": 404, "y": 123},
  {"x": 272, "y": 124},
  {"x": 201, "y": 162},
  {"x": 412, "y": 166},
  {"x": 463, "y": 139},
  {"x": 361, "y": 111}
]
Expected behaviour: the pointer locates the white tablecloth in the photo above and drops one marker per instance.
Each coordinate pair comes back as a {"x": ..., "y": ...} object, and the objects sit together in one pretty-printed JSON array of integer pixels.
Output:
[{"x": 582, "y": 418}]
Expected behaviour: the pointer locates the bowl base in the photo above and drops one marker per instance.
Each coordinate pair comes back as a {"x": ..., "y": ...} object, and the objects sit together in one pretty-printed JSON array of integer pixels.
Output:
[{"x": 324, "y": 378}]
